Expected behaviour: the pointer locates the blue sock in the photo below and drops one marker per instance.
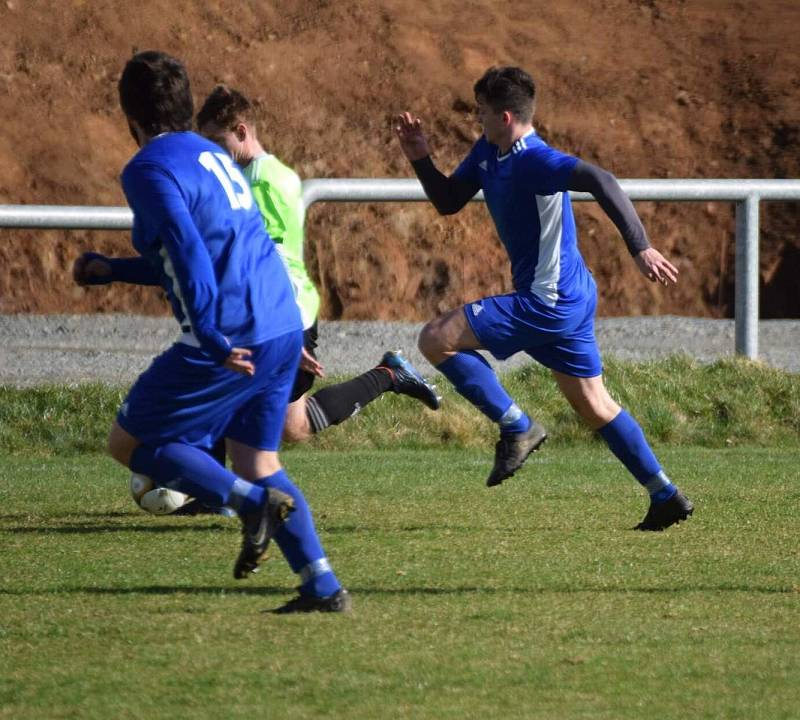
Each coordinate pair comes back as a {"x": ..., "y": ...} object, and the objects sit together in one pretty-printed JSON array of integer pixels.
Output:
[
  {"x": 299, "y": 542},
  {"x": 194, "y": 472},
  {"x": 627, "y": 441},
  {"x": 473, "y": 377}
]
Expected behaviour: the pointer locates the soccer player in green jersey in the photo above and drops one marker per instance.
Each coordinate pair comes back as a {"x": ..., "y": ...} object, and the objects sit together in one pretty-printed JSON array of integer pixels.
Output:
[{"x": 227, "y": 118}]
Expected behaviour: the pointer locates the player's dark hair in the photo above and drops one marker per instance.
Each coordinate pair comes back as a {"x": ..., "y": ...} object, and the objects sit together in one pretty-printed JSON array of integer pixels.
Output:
[
  {"x": 225, "y": 107},
  {"x": 508, "y": 88},
  {"x": 154, "y": 91}
]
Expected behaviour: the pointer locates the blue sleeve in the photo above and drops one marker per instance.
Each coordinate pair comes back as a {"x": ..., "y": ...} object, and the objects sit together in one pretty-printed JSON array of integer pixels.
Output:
[
  {"x": 547, "y": 170},
  {"x": 165, "y": 220},
  {"x": 468, "y": 169}
]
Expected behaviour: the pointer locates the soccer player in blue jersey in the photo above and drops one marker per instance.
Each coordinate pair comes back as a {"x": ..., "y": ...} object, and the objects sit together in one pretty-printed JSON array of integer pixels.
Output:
[
  {"x": 200, "y": 236},
  {"x": 550, "y": 315}
]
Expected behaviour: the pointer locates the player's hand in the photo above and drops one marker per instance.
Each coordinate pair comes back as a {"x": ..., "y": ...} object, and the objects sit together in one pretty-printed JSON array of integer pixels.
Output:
[
  {"x": 91, "y": 269},
  {"x": 655, "y": 267},
  {"x": 239, "y": 362},
  {"x": 310, "y": 364},
  {"x": 412, "y": 140}
]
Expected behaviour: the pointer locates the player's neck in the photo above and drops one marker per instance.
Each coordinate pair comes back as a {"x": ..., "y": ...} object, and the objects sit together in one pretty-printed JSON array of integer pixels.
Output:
[
  {"x": 516, "y": 132},
  {"x": 251, "y": 150}
]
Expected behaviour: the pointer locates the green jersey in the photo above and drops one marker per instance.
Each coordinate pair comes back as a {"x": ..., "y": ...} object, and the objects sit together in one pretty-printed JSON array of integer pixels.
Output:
[{"x": 278, "y": 191}]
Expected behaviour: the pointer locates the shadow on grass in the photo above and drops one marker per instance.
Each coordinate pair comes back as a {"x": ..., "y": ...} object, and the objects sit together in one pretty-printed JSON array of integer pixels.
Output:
[
  {"x": 76, "y": 528},
  {"x": 83, "y": 529},
  {"x": 410, "y": 591},
  {"x": 55, "y": 516}
]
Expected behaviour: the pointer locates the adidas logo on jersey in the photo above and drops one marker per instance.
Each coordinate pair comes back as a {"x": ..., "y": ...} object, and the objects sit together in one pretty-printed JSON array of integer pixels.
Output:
[{"x": 483, "y": 165}]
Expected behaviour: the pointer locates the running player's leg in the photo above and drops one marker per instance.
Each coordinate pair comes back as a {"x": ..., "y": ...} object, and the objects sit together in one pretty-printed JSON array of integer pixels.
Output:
[
  {"x": 331, "y": 405},
  {"x": 450, "y": 343},
  {"x": 299, "y": 425},
  {"x": 164, "y": 428},
  {"x": 253, "y": 439},
  {"x": 192, "y": 471},
  {"x": 297, "y": 538},
  {"x": 625, "y": 438},
  {"x": 336, "y": 403}
]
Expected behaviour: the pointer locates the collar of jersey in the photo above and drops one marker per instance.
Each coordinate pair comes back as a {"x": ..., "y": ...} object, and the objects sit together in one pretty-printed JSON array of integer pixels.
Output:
[
  {"x": 518, "y": 146},
  {"x": 251, "y": 169}
]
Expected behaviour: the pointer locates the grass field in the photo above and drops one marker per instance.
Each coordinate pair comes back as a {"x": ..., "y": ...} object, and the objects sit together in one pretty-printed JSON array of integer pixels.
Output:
[
  {"x": 677, "y": 400},
  {"x": 531, "y": 600}
]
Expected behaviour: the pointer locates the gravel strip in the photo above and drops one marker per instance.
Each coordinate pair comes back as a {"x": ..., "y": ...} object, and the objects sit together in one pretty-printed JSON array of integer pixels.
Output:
[{"x": 37, "y": 349}]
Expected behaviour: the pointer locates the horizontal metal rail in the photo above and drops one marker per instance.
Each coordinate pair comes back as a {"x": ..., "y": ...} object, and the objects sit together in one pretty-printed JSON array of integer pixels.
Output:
[
  {"x": 379, "y": 190},
  {"x": 66, "y": 217},
  {"x": 746, "y": 193}
]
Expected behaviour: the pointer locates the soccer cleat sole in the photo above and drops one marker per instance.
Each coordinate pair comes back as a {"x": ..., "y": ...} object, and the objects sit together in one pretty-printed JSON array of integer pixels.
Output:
[{"x": 339, "y": 602}]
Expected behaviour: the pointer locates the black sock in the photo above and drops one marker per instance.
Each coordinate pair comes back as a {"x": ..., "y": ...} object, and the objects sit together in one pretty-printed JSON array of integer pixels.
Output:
[{"x": 335, "y": 403}]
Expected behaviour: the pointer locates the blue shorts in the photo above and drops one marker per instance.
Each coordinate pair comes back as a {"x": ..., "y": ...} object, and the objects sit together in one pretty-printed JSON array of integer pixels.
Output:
[
  {"x": 185, "y": 397},
  {"x": 560, "y": 338}
]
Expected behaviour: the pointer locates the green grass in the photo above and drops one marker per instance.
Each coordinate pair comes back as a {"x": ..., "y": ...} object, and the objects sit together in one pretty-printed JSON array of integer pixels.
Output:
[
  {"x": 532, "y": 600},
  {"x": 678, "y": 401}
]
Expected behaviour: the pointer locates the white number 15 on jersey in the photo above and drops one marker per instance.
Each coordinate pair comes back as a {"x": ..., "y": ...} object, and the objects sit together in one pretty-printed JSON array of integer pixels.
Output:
[{"x": 229, "y": 176}]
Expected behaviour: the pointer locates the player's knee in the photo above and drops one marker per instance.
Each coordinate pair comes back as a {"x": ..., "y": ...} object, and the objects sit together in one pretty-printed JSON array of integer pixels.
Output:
[
  {"x": 430, "y": 342},
  {"x": 252, "y": 464},
  {"x": 587, "y": 413},
  {"x": 119, "y": 447},
  {"x": 595, "y": 410},
  {"x": 297, "y": 430}
]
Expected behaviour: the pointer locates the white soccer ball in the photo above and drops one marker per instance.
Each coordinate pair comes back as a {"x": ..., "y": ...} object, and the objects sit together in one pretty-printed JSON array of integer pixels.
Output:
[{"x": 152, "y": 499}]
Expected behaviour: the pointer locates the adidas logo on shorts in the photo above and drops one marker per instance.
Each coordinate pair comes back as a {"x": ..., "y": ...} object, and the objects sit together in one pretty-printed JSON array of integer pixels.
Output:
[{"x": 477, "y": 308}]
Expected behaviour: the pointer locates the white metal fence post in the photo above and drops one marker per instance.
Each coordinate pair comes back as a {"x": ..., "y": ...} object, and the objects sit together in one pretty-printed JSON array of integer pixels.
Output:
[{"x": 746, "y": 289}]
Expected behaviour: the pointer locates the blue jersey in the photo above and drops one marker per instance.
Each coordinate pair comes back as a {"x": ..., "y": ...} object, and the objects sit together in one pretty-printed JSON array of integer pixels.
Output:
[
  {"x": 526, "y": 192},
  {"x": 196, "y": 222}
]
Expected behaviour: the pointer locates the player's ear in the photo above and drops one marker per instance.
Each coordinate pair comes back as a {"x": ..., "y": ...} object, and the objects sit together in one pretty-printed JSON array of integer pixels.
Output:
[
  {"x": 240, "y": 130},
  {"x": 508, "y": 118},
  {"x": 136, "y": 131}
]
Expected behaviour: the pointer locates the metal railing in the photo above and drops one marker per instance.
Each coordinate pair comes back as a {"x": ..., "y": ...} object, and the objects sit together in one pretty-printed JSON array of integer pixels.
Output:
[{"x": 747, "y": 194}]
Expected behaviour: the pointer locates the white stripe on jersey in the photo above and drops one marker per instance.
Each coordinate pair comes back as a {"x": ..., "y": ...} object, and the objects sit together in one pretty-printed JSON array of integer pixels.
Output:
[
  {"x": 169, "y": 271},
  {"x": 548, "y": 265}
]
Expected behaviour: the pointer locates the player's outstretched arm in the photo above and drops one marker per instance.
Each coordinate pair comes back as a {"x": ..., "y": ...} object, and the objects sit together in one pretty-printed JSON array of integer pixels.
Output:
[
  {"x": 92, "y": 268},
  {"x": 448, "y": 194},
  {"x": 604, "y": 187}
]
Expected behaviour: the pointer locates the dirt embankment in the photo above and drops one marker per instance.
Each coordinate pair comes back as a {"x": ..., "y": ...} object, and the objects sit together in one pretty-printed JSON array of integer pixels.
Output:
[{"x": 644, "y": 88}]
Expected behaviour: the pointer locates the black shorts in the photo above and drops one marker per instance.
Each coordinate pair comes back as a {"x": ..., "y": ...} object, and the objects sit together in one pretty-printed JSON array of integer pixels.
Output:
[{"x": 304, "y": 380}]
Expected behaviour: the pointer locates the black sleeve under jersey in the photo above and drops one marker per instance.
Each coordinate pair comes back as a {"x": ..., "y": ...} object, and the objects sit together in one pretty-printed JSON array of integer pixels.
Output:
[
  {"x": 615, "y": 203},
  {"x": 448, "y": 194}
]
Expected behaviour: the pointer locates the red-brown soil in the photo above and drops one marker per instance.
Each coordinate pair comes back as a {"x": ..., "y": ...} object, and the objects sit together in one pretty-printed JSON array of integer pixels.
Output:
[{"x": 645, "y": 88}]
